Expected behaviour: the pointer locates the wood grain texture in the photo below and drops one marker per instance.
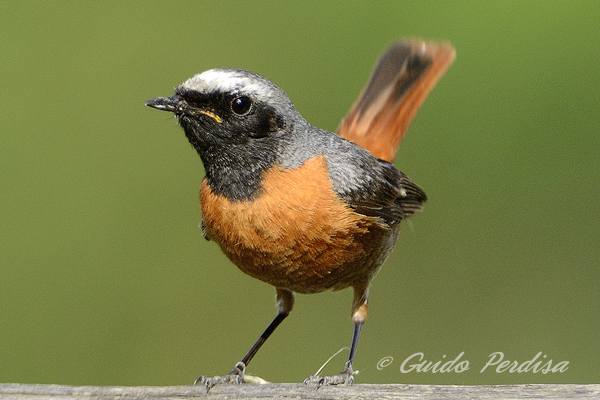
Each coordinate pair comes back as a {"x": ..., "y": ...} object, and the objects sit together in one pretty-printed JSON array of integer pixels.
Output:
[{"x": 300, "y": 391}]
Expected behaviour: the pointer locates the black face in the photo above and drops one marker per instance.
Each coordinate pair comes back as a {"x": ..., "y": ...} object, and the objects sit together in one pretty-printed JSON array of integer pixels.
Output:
[
  {"x": 236, "y": 136},
  {"x": 221, "y": 119}
]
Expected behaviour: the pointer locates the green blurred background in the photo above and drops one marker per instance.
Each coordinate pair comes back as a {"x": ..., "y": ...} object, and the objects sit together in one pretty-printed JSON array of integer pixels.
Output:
[{"x": 105, "y": 278}]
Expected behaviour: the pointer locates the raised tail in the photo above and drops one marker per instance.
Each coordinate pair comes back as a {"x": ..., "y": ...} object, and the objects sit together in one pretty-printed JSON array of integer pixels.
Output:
[{"x": 403, "y": 77}]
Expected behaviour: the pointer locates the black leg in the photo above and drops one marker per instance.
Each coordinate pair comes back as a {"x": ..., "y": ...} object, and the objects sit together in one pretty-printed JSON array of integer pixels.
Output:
[
  {"x": 263, "y": 338},
  {"x": 359, "y": 315},
  {"x": 355, "y": 336},
  {"x": 285, "y": 302}
]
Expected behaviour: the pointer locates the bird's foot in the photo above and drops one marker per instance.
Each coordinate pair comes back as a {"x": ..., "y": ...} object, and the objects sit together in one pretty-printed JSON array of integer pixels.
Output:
[
  {"x": 346, "y": 377},
  {"x": 234, "y": 377}
]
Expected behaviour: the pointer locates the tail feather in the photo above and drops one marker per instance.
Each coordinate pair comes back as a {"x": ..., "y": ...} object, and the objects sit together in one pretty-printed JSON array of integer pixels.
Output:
[{"x": 402, "y": 79}]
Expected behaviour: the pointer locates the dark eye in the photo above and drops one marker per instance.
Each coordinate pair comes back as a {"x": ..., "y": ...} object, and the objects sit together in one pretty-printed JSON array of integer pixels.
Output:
[{"x": 241, "y": 105}]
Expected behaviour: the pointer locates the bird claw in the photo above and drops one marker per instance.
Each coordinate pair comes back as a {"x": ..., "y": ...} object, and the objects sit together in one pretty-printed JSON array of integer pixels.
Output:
[
  {"x": 234, "y": 377},
  {"x": 346, "y": 377}
]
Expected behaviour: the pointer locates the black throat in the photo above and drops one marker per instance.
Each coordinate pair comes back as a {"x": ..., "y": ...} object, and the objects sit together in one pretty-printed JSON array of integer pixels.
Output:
[
  {"x": 236, "y": 171},
  {"x": 236, "y": 155}
]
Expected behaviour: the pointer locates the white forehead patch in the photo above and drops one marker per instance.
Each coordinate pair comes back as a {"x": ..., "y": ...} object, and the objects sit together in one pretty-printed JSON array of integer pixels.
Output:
[{"x": 231, "y": 81}]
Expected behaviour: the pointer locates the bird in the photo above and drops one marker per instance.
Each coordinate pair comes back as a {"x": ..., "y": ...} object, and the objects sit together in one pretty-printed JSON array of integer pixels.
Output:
[{"x": 298, "y": 207}]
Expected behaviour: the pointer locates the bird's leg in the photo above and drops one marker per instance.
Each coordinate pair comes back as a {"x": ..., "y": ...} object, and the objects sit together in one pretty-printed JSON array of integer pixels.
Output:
[
  {"x": 359, "y": 315},
  {"x": 285, "y": 302}
]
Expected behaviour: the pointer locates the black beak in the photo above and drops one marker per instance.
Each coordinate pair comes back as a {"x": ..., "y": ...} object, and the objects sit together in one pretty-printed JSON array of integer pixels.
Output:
[{"x": 165, "y": 103}]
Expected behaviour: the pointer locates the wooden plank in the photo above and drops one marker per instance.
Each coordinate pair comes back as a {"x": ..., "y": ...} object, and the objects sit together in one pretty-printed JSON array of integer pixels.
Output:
[{"x": 300, "y": 391}]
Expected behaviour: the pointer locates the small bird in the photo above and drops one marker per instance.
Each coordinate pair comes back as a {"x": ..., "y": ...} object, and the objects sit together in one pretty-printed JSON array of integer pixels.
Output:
[{"x": 300, "y": 208}]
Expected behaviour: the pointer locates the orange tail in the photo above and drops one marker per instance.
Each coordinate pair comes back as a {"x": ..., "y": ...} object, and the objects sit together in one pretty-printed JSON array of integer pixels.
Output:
[{"x": 403, "y": 77}]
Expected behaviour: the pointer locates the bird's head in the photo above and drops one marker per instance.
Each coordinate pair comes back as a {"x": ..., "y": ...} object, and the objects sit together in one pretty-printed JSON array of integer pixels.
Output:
[{"x": 222, "y": 108}]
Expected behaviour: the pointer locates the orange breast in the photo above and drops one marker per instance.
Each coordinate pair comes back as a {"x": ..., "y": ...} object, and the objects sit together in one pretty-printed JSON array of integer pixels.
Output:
[{"x": 298, "y": 235}]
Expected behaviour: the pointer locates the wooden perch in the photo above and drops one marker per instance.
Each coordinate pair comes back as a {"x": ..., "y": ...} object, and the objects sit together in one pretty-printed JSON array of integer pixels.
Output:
[{"x": 300, "y": 391}]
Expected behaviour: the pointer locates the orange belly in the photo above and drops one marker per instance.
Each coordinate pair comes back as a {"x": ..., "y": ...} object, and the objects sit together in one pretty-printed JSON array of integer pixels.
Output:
[{"x": 298, "y": 235}]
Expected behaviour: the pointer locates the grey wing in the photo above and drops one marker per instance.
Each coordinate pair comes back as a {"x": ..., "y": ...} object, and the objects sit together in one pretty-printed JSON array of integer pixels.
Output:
[{"x": 376, "y": 188}]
